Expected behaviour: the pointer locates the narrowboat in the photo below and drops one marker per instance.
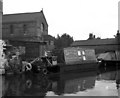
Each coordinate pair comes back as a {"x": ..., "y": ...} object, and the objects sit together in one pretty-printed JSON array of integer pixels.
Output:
[
  {"x": 110, "y": 59},
  {"x": 45, "y": 65},
  {"x": 73, "y": 59},
  {"x": 79, "y": 59}
]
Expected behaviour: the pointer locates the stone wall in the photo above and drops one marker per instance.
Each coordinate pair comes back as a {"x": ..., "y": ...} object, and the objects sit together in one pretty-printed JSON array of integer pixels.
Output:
[
  {"x": 26, "y": 32},
  {"x": 31, "y": 49},
  {"x": 22, "y": 29}
]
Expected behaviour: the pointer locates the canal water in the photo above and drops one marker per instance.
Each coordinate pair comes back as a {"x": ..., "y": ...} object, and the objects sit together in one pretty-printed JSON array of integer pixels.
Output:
[{"x": 102, "y": 82}]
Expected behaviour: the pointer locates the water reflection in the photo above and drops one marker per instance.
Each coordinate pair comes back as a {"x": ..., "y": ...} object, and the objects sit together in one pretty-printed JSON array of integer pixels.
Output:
[
  {"x": 118, "y": 82},
  {"x": 100, "y": 83},
  {"x": 73, "y": 83},
  {"x": 26, "y": 85}
]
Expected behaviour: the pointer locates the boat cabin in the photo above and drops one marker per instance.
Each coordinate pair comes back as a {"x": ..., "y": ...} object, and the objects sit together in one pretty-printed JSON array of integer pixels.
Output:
[{"x": 77, "y": 55}]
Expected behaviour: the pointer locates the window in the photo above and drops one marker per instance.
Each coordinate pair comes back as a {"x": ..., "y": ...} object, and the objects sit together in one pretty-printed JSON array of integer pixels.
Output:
[
  {"x": 83, "y": 55},
  {"x": 42, "y": 27},
  {"x": 84, "y": 58},
  {"x": 79, "y": 53},
  {"x": 25, "y": 28},
  {"x": 11, "y": 29},
  {"x": 83, "y": 52}
]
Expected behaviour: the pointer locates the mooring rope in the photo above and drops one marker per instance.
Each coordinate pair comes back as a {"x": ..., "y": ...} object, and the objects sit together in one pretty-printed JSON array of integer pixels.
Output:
[
  {"x": 34, "y": 60},
  {"x": 48, "y": 61}
]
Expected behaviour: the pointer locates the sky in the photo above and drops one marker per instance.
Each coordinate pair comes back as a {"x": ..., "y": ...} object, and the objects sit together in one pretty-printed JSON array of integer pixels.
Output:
[{"x": 77, "y": 18}]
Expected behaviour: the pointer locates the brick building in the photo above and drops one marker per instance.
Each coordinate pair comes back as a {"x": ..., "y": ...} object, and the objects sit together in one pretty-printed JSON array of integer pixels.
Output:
[{"x": 26, "y": 31}]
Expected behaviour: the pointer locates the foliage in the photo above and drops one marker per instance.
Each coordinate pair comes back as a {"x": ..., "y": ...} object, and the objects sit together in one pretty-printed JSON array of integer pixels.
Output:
[
  {"x": 91, "y": 36},
  {"x": 63, "y": 41},
  {"x": 117, "y": 36},
  {"x": 60, "y": 55}
]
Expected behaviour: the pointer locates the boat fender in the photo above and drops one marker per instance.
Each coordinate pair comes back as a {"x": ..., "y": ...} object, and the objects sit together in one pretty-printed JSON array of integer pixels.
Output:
[
  {"x": 29, "y": 66},
  {"x": 28, "y": 83},
  {"x": 45, "y": 71}
]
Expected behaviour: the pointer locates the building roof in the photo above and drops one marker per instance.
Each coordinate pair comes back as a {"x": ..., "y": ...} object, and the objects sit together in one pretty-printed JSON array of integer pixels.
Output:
[
  {"x": 94, "y": 42},
  {"x": 21, "y": 17},
  {"x": 48, "y": 38}
]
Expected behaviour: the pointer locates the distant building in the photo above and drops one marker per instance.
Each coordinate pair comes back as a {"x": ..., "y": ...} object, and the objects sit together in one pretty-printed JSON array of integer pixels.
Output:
[
  {"x": 100, "y": 45},
  {"x": 49, "y": 41},
  {"x": 26, "y": 31}
]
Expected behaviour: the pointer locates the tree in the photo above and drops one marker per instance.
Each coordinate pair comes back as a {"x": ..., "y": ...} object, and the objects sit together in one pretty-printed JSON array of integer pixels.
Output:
[
  {"x": 91, "y": 36},
  {"x": 63, "y": 41},
  {"x": 117, "y": 36}
]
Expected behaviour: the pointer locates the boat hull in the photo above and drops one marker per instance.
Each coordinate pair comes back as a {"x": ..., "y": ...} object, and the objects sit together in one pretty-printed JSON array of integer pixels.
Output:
[
  {"x": 78, "y": 67},
  {"x": 110, "y": 63}
]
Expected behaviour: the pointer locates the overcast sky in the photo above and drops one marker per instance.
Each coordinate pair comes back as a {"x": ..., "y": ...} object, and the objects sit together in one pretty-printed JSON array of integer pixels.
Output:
[{"x": 77, "y": 18}]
